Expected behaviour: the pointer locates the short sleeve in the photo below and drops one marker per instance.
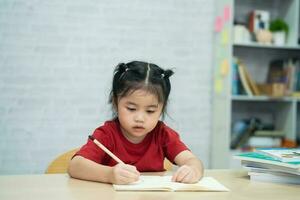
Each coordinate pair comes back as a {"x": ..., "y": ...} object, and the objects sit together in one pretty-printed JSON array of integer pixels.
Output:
[
  {"x": 91, "y": 151},
  {"x": 172, "y": 144}
]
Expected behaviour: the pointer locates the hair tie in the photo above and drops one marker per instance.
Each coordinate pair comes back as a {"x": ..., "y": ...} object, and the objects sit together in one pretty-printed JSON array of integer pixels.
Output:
[{"x": 162, "y": 75}]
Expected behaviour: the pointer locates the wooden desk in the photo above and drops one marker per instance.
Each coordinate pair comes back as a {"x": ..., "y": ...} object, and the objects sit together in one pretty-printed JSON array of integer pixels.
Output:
[{"x": 60, "y": 186}]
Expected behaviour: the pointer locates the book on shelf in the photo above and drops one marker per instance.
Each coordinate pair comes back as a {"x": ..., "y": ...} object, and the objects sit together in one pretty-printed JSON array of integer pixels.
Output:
[
  {"x": 235, "y": 90},
  {"x": 250, "y": 81},
  {"x": 283, "y": 78},
  {"x": 282, "y": 154},
  {"x": 269, "y": 133},
  {"x": 164, "y": 183},
  {"x": 290, "y": 76},
  {"x": 296, "y": 81},
  {"x": 264, "y": 141},
  {"x": 259, "y": 20},
  {"x": 284, "y": 71},
  {"x": 243, "y": 132},
  {"x": 277, "y": 72},
  {"x": 244, "y": 81},
  {"x": 241, "y": 76}
]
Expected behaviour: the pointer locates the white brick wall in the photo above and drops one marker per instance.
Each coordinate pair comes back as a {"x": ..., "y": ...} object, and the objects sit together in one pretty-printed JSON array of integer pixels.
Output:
[{"x": 56, "y": 62}]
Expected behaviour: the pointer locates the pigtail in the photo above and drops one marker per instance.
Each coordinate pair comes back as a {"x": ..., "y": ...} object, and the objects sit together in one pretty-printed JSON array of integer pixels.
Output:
[
  {"x": 120, "y": 68},
  {"x": 167, "y": 73},
  {"x": 120, "y": 71}
]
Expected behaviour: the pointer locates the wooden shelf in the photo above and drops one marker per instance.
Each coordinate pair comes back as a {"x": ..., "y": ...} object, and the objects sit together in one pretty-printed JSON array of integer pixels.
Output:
[
  {"x": 262, "y": 98},
  {"x": 267, "y": 46}
]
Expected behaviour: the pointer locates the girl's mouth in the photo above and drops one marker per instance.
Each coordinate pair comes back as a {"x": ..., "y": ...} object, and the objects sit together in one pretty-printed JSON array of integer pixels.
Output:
[{"x": 138, "y": 128}]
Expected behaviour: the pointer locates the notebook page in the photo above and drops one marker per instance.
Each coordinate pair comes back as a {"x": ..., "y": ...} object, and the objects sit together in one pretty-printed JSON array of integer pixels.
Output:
[
  {"x": 164, "y": 183},
  {"x": 155, "y": 183}
]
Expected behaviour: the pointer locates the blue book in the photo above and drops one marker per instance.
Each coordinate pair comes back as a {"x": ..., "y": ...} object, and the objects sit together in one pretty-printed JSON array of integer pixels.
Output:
[{"x": 235, "y": 77}]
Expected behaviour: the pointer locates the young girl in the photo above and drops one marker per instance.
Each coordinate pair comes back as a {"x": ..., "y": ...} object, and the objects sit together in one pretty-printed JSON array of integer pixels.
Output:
[{"x": 139, "y": 97}]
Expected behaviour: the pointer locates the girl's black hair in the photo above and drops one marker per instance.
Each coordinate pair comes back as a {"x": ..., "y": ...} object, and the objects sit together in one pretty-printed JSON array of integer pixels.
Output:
[{"x": 137, "y": 75}]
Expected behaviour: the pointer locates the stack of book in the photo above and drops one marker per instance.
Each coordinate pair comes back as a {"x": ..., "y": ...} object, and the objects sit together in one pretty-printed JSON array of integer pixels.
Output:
[{"x": 278, "y": 165}]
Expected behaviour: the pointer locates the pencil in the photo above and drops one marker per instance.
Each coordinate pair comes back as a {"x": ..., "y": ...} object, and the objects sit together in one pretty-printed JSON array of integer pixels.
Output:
[{"x": 101, "y": 146}]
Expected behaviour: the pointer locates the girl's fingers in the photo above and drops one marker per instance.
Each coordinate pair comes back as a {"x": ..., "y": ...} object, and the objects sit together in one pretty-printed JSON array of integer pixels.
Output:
[
  {"x": 188, "y": 178},
  {"x": 178, "y": 175},
  {"x": 125, "y": 174},
  {"x": 130, "y": 173},
  {"x": 132, "y": 169},
  {"x": 183, "y": 174}
]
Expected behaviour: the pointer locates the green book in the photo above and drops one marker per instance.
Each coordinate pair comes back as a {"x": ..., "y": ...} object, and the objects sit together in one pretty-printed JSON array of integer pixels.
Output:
[{"x": 264, "y": 159}]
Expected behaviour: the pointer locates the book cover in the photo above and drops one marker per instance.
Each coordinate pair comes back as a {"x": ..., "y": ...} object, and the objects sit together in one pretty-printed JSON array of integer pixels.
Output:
[
  {"x": 164, "y": 183},
  {"x": 259, "y": 20},
  {"x": 262, "y": 158},
  {"x": 282, "y": 154},
  {"x": 244, "y": 81}
]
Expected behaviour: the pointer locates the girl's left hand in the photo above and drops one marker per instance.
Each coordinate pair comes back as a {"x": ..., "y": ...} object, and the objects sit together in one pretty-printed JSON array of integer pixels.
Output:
[{"x": 185, "y": 174}]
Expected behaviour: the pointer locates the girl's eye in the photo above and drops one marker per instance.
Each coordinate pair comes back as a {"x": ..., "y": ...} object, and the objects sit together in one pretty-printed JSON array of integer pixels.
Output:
[
  {"x": 131, "y": 109},
  {"x": 150, "y": 111}
]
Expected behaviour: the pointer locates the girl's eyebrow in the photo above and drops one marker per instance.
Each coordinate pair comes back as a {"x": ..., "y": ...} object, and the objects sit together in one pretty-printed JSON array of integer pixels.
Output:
[
  {"x": 149, "y": 106},
  {"x": 153, "y": 106},
  {"x": 130, "y": 103}
]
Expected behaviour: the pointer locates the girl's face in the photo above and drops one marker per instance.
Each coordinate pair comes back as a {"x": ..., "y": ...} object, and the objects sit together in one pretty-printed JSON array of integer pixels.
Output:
[{"x": 138, "y": 114}]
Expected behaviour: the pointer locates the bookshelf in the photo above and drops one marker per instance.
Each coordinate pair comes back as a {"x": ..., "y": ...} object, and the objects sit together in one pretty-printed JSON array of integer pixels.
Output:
[{"x": 282, "y": 112}]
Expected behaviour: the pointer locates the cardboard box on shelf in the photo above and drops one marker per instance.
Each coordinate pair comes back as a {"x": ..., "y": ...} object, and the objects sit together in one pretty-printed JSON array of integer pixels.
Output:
[{"x": 272, "y": 89}]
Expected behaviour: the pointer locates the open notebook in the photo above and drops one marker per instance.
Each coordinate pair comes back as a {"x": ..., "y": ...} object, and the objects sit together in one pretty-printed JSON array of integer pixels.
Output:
[{"x": 164, "y": 183}]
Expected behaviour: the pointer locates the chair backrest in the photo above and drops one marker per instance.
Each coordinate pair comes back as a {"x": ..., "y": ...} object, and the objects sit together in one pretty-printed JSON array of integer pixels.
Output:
[
  {"x": 168, "y": 165},
  {"x": 61, "y": 163}
]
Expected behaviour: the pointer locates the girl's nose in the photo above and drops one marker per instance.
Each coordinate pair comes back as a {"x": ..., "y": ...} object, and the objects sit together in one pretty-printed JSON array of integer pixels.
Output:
[{"x": 139, "y": 117}]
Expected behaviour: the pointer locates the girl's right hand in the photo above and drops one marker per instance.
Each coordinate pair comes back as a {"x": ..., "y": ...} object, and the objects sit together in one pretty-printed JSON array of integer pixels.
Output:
[{"x": 124, "y": 174}]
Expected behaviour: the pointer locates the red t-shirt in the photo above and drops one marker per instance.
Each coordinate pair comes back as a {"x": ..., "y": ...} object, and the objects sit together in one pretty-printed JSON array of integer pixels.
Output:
[{"x": 147, "y": 156}]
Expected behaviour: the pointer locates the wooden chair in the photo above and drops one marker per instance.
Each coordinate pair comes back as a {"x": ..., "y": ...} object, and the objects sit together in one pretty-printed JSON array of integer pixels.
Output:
[
  {"x": 60, "y": 164},
  {"x": 168, "y": 165}
]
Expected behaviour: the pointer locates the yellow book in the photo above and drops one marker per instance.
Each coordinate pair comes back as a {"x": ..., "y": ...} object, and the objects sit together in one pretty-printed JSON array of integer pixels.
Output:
[
  {"x": 164, "y": 183},
  {"x": 251, "y": 82}
]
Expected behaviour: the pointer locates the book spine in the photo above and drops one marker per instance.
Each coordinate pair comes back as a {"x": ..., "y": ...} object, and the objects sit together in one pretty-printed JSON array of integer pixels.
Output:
[{"x": 235, "y": 78}]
